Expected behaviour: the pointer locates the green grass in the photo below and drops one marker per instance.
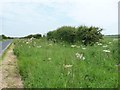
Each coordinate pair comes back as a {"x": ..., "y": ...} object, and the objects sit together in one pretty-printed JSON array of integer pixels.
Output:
[{"x": 43, "y": 67}]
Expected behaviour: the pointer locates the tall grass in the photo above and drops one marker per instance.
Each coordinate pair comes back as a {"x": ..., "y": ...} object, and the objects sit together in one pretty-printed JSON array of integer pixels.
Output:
[{"x": 44, "y": 64}]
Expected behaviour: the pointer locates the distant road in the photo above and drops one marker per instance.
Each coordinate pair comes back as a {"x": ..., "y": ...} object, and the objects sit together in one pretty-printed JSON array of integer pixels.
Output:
[{"x": 4, "y": 45}]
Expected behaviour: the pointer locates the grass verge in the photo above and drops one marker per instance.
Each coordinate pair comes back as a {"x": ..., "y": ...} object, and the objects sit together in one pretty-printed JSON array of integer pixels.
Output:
[{"x": 44, "y": 64}]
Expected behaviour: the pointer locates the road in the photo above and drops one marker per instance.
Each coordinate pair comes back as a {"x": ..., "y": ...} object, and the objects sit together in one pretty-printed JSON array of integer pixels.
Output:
[{"x": 4, "y": 45}]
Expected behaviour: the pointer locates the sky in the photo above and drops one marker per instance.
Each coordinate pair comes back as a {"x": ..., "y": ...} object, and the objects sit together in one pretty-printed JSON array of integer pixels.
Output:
[{"x": 23, "y": 17}]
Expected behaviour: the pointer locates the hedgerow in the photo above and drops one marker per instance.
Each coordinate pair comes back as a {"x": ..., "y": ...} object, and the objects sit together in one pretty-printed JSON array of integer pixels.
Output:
[{"x": 83, "y": 34}]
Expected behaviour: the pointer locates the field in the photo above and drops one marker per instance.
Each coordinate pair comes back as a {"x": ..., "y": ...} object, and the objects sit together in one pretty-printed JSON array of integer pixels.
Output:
[{"x": 47, "y": 64}]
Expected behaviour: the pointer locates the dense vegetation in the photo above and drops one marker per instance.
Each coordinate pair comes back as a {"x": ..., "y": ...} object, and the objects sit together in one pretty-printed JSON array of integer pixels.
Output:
[
  {"x": 37, "y": 36},
  {"x": 5, "y": 37},
  {"x": 83, "y": 34},
  {"x": 45, "y": 64}
]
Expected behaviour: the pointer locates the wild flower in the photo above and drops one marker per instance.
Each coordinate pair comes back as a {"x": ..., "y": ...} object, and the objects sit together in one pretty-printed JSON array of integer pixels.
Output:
[
  {"x": 67, "y": 66},
  {"x": 27, "y": 42},
  {"x": 78, "y": 46},
  {"x": 31, "y": 38},
  {"x": 115, "y": 39},
  {"x": 83, "y": 48},
  {"x": 107, "y": 51},
  {"x": 73, "y": 46},
  {"x": 63, "y": 45},
  {"x": 49, "y": 58},
  {"x": 83, "y": 58},
  {"x": 80, "y": 56},
  {"x": 50, "y": 44},
  {"x": 105, "y": 46},
  {"x": 110, "y": 42},
  {"x": 39, "y": 46},
  {"x": 99, "y": 44},
  {"x": 83, "y": 41}
]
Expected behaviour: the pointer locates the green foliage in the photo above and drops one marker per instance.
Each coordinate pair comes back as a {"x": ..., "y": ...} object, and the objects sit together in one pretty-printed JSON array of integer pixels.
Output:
[
  {"x": 5, "y": 37},
  {"x": 65, "y": 33},
  {"x": 41, "y": 64},
  {"x": 37, "y": 36},
  {"x": 89, "y": 35},
  {"x": 83, "y": 34}
]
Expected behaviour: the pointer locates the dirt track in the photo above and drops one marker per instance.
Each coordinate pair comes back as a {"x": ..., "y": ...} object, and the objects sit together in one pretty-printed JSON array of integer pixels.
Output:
[{"x": 9, "y": 74}]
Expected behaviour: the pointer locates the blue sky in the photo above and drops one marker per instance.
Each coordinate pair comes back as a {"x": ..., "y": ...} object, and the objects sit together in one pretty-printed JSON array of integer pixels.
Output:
[{"x": 20, "y": 17}]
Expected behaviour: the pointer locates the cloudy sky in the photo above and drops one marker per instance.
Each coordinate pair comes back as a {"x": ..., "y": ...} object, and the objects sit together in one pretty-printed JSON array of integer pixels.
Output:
[{"x": 23, "y": 17}]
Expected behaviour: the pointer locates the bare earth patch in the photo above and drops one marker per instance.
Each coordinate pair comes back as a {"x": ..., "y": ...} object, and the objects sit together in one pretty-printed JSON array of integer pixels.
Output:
[{"x": 9, "y": 74}]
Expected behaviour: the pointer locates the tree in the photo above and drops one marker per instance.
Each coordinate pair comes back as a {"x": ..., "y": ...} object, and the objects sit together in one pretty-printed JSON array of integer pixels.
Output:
[{"x": 89, "y": 35}]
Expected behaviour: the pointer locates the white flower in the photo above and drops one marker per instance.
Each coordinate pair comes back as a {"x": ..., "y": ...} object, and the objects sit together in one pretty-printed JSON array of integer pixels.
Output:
[
  {"x": 73, "y": 46},
  {"x": 31, "y": 38},
  {"x": 115, "y": 39},
  {"x": 83, "y": 58},
  {"x": 80, "y": 56},
  {"x": 83, "y": 41},
  {"x": 106, "y": 51},
  {"x": 110, "y": 42},
  {"x": 39, "y": 46},
  {"x": 49, "y": 58},
  {"x": 105, "y": 46},
  {"x": 99, "y": 44},
  {"x": 67, "y": 66},
  {"x": 27, "y": 42},
  {"x": 83, "y": 48},
  {"x": 50, "y": 44},
  {"x": 77, "y": 54},
  {"x": 78, "y": 46},
  {"x": 63, "y": 45}
]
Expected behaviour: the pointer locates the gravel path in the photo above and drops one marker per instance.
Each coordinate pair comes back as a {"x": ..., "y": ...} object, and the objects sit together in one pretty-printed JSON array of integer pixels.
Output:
[{"x": 9, "y": 74}]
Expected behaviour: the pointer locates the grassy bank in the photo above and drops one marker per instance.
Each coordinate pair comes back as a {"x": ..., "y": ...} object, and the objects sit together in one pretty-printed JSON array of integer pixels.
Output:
[{"x": 46, "y": 64}]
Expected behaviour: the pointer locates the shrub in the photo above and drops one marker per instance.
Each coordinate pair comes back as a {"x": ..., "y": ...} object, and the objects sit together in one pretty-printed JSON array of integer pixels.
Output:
[
  {"x": 84, "y": 34},
  {"x": 37, "y": 36},
  {"x": 65, "y": 33},
  {"x": 89, "y": 35}
]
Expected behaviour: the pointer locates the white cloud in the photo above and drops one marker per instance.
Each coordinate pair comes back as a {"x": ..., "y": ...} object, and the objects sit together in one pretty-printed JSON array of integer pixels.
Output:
[{"x": 103, "y": 13}]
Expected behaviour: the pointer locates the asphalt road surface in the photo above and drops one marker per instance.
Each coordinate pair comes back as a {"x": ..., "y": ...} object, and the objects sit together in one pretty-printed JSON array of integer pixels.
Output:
[{"x": 4, "y": 45}]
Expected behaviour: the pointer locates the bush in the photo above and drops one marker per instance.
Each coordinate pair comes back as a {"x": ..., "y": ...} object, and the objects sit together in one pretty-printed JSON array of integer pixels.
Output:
[
  {"x": 84, "y": 34},
  {"x": 89, "y": 35},
  {"x": 65, "y": 33},
  {"x": 37, "y": 36}
]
